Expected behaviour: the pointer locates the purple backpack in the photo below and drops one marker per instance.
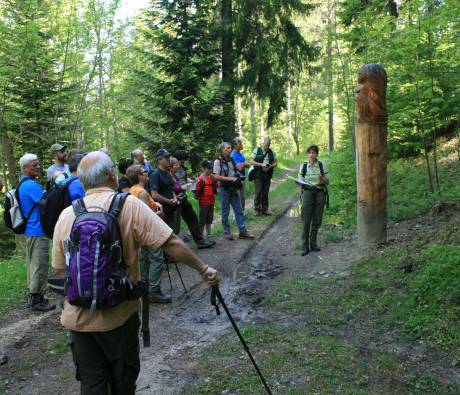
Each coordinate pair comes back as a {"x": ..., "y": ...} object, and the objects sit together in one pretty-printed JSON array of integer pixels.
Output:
[{"x": 95, "y": 270}]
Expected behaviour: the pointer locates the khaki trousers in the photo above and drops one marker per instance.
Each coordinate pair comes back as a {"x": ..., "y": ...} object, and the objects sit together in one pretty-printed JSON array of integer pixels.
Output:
[
  {"x": 37, "y": 255},
  {"x": 313, "y": 202}
]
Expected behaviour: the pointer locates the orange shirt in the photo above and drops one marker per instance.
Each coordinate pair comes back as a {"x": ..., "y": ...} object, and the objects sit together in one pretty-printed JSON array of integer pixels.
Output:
[
  {"x": 139, "y": 226},
  {"x": 136, "y": 190}
]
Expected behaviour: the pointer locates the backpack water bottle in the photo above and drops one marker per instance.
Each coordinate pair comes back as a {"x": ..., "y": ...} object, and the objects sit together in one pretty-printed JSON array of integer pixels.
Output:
[{"x": 95, "y": 270}]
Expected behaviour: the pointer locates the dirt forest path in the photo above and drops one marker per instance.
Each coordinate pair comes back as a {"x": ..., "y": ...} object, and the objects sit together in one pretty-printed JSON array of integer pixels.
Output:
[
  {"x": 23, "y": 334},
  {"x": 183, "y": 330},
  {"x": 19, "y": 321}
]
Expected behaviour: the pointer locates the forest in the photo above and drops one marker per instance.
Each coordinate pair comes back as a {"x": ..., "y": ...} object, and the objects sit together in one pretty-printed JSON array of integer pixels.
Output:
[{"x": 190, "y": 74}]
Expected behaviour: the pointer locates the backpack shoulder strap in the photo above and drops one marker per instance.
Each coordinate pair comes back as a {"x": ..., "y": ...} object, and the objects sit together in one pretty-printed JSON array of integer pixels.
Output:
[
  {"x": 200, "y": 185},
  {"x": 304, "y": 169},
  {"x": 79, "y": 207},
  {"x": 117, "y": 203},
  {"x": 321, "y": 169}
]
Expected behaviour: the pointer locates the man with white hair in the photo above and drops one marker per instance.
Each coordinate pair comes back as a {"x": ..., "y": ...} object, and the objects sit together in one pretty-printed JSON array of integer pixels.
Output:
[
  {"x": 105, "y": 343},
  {"x": 37, "y": 244},
  {"x": 226, "y": 172},
  {"x": 138, "y": 156}
]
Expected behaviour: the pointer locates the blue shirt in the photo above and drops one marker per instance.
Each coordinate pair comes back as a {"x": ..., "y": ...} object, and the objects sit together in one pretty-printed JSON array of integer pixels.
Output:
[
  {"x": 162, "y": 182},
  {"x": 57, "y": 167},
  {"x": 147, "y": 166},
  {"x": 30, "y": 193},
  {"x": 238, "y": 157},
  {"x": 75, "y": 189}
]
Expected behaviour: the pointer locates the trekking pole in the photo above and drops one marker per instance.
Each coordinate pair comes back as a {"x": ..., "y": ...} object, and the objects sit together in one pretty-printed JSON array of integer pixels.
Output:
[
  {"x": 169, "y": 276},
  {"x": 215, "y": 293},
  {"x": 182, "y": 281},
  {"x": 145, "y": 317}
]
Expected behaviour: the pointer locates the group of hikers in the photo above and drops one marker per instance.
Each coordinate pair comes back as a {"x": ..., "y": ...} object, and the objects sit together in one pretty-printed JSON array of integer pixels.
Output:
[{"x": 118, "y": 231}]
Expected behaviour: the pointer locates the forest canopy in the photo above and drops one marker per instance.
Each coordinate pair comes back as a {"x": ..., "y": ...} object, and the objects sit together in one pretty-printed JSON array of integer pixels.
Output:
[{"x": 189, "y": 74}]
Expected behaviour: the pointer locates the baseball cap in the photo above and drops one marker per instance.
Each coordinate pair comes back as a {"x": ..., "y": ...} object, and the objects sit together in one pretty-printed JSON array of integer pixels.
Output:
[
  {"x": 162, "y": 153},
  {"x": 57, "y": 147},
  {"x": 206, "y": 163}
]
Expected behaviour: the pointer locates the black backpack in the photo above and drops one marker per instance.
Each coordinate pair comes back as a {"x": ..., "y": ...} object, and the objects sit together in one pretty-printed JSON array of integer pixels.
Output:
[
  {"x": 12, "y": 212},
  {"x": 321, "y": 169},
  {"x": 51, "y": 205}
]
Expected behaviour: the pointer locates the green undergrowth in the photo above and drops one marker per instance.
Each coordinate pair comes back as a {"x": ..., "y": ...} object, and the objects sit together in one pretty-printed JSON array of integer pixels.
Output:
[
  {"x": 341, "y": 335},
  {"x": 408, "y": 187},
  {"x": 12, "y": 282}
]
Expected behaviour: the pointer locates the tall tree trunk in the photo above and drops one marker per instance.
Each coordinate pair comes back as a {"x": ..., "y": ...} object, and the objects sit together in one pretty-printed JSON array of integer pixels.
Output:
[
  {"x": 262, "y": 118},
  {"x": 239, "y": 116},
  {"x": 371, "y": 155},
  {"x": 420, "y": 130},
  {"x": 252, "y": 116},
  {"x": 8, "y": 155},
  {"x": 330, "y": 87},
  {"x": 289, "y": 117},
  {"x": 227, "y": 83}
]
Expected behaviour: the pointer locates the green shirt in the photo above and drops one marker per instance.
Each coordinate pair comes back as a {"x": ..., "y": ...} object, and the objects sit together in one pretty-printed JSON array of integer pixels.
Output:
[
  {"x": 266, "y": 159},
  {"x": 313, "y": 172}
]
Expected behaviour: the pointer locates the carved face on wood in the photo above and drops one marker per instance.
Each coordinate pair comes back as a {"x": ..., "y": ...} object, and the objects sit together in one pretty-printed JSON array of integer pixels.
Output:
[{"x": 371, "y": 94}]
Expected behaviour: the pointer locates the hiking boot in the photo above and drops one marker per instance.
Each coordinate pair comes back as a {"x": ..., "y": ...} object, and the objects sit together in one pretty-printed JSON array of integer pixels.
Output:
[
  {"x": 228, "y": 236},
  {"x": 159, "y": 297},
  {"x": 29, "y": 301},
  {"x": 209, "y": 239},
  {"x": 246, "y": 235},
  {"x": 313, "y": 244},
  {"x": 186, "y": 238},
  {"x": 267, "y": 212},
  {"x": 304, "y": 251},
  {"x": 40, "y": 303},
  {"x": 204, "y": 244}
]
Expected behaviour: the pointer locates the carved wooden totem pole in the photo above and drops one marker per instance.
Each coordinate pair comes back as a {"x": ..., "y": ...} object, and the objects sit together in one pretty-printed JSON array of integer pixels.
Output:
[{"x": 371, "y": 155}]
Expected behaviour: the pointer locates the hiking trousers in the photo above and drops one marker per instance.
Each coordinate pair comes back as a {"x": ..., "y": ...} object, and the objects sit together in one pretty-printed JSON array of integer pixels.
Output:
[
  {"x": 151, "y": 266},
  {"x": 191, "y": 219},
  {"x": 231, "y": 198},
  {"x": 108, "y": 362},
  {"x": 37, "y": 255},
  {"x": 313, "y": 201},
  {"x": 262, "y": 188},
  {"x": 242, "y": 195}
]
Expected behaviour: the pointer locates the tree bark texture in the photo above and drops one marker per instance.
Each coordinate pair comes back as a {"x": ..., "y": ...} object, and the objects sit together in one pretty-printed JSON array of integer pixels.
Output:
[
  {"x": 330, "y": 88},
  {"x": 227, "y": 83},
  {"x": 371, "y": 155}
]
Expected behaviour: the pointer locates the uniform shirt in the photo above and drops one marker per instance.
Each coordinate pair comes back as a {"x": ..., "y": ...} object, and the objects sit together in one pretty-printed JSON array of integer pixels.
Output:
[
  {"x": 162, "y": 182},
  {"x": 238, "y": 157},
  {"x": 313, "y": 172},
  {"x": 30, "y": 192},
  {"x": 266, "y": 160},
  {"x": 57, "y": 167},
  {"x": 139, "y": 226}
]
